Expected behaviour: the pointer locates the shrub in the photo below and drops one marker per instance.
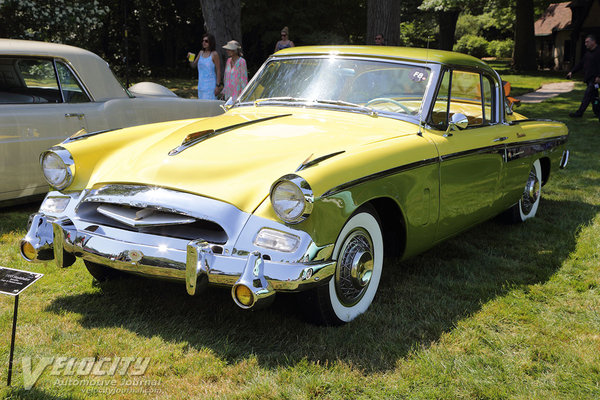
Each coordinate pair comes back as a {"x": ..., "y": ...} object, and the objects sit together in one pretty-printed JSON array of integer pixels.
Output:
[
  {"x": 473, "y": 45},
  {"x": 501, "y": 48}
]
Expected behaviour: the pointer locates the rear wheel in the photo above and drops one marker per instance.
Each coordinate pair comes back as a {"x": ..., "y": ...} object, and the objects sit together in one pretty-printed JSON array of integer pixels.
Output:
[
  {"x": 359, "y": 254},
  {"x": 102, "y": 273},
  {"x": 530, "y": 199}
]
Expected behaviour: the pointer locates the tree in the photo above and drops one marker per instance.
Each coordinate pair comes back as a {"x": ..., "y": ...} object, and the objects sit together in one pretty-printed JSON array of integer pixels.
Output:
[
  {"x": 447, "y": 12},
  {"x": 223, "y": 19},
  {"x": 383, "y": 17},
  {"x": 62, "y": 21},
  {"x": 524, "y": 55}
]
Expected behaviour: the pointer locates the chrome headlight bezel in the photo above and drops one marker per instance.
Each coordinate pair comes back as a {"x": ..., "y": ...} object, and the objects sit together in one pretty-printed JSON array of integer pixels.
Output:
[
  {"x": 303, "y": 196},
  {"x": 66, "y": 164}
]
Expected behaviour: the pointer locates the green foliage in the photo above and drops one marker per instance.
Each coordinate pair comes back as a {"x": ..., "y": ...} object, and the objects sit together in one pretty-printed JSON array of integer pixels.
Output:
[
  {"x": 416, "y": 33},
  {"x": 500, "y": 48},
  {"x": 62, "y": 21},
  {"x": 486, "y": 25},
  {"x": 472, "y": 45}
]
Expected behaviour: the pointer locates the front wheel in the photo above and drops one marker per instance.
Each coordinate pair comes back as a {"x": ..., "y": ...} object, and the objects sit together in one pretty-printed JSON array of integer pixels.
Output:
[
  {"x": 530, "y": 199},
  {"x": 359, "y": 254}
]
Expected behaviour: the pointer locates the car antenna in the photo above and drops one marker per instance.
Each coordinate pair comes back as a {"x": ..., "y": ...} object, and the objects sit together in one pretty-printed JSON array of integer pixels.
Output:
[{"x": 420, "y": 133}]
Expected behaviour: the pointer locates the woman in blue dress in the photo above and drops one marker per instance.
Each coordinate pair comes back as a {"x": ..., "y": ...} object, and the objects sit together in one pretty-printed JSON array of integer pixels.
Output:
[{"x": 209, "y": 69}]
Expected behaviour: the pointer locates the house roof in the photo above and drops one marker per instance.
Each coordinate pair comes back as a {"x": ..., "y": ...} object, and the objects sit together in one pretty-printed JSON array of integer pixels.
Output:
[{"x": 557, "y": 17}]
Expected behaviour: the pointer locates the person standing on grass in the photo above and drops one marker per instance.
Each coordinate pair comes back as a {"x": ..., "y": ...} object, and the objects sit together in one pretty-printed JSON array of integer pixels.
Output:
[
  {"x": 590, "y": 63},
  {"x": 236, "y": 73},
  {"x": 209, "y": 69}
]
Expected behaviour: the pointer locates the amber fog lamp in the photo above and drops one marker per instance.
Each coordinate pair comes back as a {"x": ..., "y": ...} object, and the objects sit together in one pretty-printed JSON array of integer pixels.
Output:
[
  {"x": 58, "y": 167},
  {"x": 244, "y": 295},
  {"x": 28, "y": 251}
]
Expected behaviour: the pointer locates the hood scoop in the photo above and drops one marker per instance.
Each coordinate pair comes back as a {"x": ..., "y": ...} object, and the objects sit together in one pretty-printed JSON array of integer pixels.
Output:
[{"x": 197, "y": 137}]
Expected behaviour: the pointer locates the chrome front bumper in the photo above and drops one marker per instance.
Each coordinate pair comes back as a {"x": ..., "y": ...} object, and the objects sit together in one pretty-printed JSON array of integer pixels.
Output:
[{"x": 196, "y": 265}]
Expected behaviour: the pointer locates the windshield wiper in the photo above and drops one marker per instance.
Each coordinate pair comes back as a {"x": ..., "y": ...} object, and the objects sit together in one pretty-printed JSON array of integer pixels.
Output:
[
  {"x": 283, "y": 99},
  {"x": 369, "y": 110}
]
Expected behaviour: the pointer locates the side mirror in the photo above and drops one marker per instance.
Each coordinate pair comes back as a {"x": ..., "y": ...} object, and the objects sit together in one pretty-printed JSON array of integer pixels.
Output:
[{"x": 458, "y": 121}]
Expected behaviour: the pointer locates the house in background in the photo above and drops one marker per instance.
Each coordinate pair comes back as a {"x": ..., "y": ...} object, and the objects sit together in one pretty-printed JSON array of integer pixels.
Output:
[{"x": 561, "y": 31}]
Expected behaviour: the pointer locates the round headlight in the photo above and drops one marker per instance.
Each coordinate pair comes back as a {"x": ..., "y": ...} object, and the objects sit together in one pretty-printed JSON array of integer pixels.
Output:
[
  {"x": 292, "y": 198},
  {"x": 58, "y": 167}
]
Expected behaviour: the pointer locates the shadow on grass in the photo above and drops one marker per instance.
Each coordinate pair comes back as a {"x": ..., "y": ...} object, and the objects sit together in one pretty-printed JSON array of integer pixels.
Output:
[
  {"x": 418, "y": 300},
  {"x": 13, "y": 218}
]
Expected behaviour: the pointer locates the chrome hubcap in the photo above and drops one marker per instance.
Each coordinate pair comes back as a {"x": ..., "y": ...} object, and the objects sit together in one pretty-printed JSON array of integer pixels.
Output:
[
  {"x": 355, "y": 267},
  {"x": 531, "y": 192}
]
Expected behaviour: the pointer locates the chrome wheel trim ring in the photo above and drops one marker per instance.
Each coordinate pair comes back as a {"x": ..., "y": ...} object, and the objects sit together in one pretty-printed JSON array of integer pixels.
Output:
[
  {"x": 355, "y": 267},
  {"x": 531, "y": 193}
]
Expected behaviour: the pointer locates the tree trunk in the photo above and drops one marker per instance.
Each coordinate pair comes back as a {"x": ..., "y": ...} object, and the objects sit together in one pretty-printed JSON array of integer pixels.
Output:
[
  {"x": 223, "y": 19},
  {"x": 383, "y": 17},
  {"x": 524, "y": 50},
  {"x": 144, "y": 38},
  {"x": 447, "y": 22}
]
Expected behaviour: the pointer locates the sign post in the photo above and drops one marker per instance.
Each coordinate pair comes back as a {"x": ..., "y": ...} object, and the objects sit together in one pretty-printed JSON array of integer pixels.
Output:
[{"x": 12, "y": 283}]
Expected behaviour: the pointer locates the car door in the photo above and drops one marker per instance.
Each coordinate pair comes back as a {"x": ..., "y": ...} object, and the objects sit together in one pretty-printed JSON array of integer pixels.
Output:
[
  {"x": 39, "y": 108},
  {"x": 471, "y": 159}
]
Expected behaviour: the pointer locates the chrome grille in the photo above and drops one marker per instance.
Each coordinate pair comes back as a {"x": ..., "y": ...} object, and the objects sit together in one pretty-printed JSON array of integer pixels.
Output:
[{"x": 151, "y": 220}]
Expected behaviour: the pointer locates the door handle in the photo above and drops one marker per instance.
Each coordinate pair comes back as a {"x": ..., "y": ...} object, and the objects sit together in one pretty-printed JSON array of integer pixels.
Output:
[
  {"x": 501, "y": 139},
  {"x": 74, "y": 115}
]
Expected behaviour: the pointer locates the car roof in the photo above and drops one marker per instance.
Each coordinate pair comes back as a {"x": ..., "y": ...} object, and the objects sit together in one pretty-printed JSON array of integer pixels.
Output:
[
  {"x": 404, "y": 53},
  {"x": 93, "y": 70}
]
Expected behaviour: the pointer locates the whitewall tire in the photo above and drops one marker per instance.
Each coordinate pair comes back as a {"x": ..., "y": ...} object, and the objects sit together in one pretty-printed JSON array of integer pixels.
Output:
[{"x": 359, "y": 254}]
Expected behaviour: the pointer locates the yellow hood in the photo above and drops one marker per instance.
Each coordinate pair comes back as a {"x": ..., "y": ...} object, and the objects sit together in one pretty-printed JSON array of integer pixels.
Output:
[{"x": 237, "y": 166}]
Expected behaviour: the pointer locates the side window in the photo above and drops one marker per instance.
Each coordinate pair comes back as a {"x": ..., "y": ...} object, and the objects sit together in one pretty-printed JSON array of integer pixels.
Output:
[
  {"x": 464, "y": 92},
  {"x": 489, "y": 109},
  {"x": 439, "y": 115},
  {"x": 40, "y": 84},
  {"x": 72, "y": 90},
  {"x": 466, "y": 96}
]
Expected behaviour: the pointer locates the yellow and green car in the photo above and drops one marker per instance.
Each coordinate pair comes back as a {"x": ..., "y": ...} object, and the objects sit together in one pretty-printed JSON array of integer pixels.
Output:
[{"x": 331, "y": 159}]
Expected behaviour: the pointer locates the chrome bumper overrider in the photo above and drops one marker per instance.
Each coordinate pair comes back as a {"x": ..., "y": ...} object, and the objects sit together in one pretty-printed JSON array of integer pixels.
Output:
[{"x": 196, "y": 265}]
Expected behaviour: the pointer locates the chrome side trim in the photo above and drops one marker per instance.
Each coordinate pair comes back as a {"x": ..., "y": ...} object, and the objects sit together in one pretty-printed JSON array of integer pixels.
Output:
[
  {"x": 378, "y": 175},
  {"x": 513, "y": 152}
]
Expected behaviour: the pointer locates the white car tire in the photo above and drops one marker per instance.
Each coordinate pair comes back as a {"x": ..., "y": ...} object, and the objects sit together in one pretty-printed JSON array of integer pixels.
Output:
[
  {"x": 529, "y": 202},
  {"x": 359, "y": 254}
]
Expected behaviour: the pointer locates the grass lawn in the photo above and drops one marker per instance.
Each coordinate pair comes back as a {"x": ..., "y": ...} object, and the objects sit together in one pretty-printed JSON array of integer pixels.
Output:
[{"x": 498, "y": 312}]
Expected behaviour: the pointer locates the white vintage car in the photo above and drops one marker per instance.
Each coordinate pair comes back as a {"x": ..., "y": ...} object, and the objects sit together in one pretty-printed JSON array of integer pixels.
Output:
[{"x": 50, "y": 91}]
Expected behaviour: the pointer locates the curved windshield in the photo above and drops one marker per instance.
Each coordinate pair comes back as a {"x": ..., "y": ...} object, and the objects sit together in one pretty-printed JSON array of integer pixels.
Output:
[{"x": 377, "y": 86}]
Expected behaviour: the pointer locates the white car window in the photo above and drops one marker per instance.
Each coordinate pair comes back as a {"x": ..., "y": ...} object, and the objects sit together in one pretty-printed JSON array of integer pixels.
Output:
[{"x": 72, "y": 90}]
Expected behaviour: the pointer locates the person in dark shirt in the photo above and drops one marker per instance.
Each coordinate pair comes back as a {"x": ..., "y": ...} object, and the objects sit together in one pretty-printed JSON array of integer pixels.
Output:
[{"x": 590, "y": 63}]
